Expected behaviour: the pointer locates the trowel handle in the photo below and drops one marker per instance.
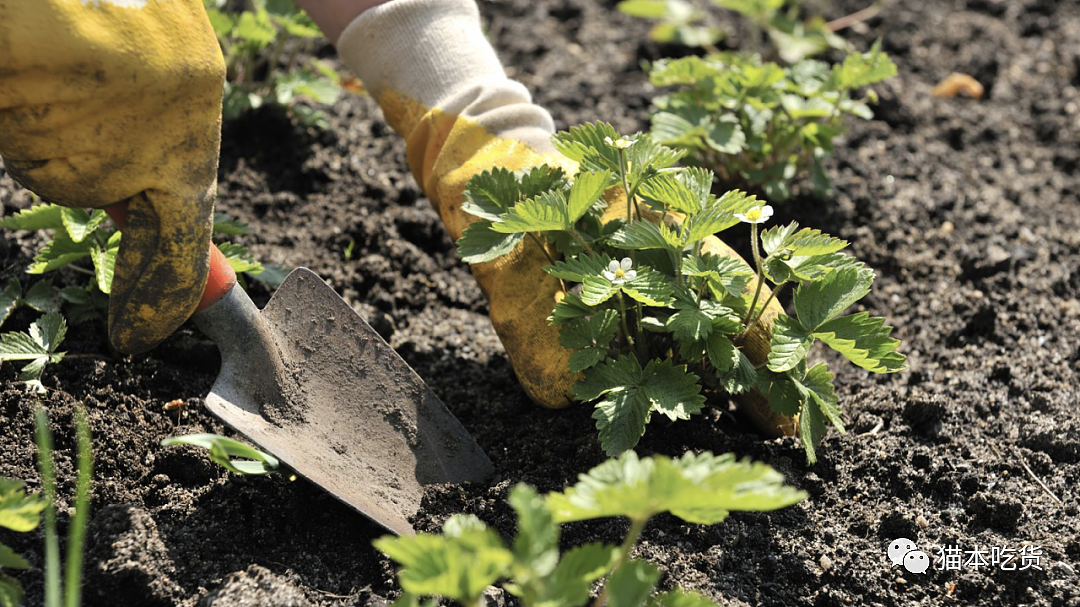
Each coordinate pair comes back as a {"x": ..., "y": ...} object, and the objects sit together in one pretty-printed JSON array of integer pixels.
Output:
[{"x": 219, "y": 281}]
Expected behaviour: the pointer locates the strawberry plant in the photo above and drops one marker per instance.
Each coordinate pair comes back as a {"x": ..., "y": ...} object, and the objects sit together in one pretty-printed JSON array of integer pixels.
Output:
[
  {"x": 792, "y": 38},
  {"x": 267, "y": 48},
  {"x": 22, "y": 513},
  {"x": 652, "y": 317},
  {"x": 468, "y": 556},
  {"x": 760, "y": 125},
  {"x": 85, "y": 242}
]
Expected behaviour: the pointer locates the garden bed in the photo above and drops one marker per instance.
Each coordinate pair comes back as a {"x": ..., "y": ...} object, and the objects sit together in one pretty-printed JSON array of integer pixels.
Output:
[{"x": 967, "y": 210}]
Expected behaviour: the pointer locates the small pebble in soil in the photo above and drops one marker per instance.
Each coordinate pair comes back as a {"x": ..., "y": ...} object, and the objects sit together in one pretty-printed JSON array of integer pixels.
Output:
[{"x": 825, "y": 562}]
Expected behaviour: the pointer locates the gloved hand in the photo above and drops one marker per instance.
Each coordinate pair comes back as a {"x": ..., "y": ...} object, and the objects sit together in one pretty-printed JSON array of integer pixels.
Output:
[
  {"x": 441, "y": 86},
  {"x": 120, "y": 101}
]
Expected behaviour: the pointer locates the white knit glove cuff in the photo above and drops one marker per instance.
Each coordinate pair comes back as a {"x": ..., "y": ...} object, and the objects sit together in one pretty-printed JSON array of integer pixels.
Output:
[{"x": 435, "y": 52}]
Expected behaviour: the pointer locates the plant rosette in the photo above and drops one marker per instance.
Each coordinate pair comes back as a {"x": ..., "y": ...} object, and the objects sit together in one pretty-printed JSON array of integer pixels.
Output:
[{"x": 655, "y": 318}]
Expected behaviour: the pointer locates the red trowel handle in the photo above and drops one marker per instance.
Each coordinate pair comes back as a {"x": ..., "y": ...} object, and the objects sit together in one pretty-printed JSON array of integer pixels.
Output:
[{"x": 221, "y": 278}]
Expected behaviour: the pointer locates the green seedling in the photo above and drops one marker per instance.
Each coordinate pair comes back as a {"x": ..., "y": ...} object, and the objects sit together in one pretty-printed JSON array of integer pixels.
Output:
[
  {"x": 41, "y": 296},
  {"x": 79, "y": 236},
  {"x": 468, "y": 556},
  {"x": 650, "y": 315},
  {"x": 22, "y": 513},
  {"x": 37, "y": 348},
  {"x": 223, "y": 450},
  {"x": 678, "y": 22},
  {"x": 759, "y": 125},
  {"x": 68, "y": 592},
  {"x": 790, "y": 37},
  {"x": 267, "y": 50}
]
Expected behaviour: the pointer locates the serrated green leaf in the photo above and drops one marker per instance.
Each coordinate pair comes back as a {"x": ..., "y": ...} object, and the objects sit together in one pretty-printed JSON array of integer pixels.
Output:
[
  {"x": 861, "y": 69},
  {"x": 546, "y": 212},
  {"x": 595, "y": 290},
  {"x": 671, "y": 389},
  {"x": 11, "y": 593},
  {"x": 668, "y": 191},
  {"x": 19, "y": 511},
  {"x": 865, "y": 341},
  {"x": 741, "y": 377},
  {"x": 720, "y": 215},
  {"x": 10, "y": 297},
  {"x": 680, "y": 126},
  {"x": 681, "y": 598},
  {"x": 104, "y": 266},
  {"x": 570, "y": 583},
  {"x": 649, "y": 287},
  {"x": 37, "y": 217},
  {"x": 725, "y": 135},
  {"x": 818, "y": 386},
  {"x": 59, "y": 252},
  {"x": 645, "y": 9},
  {"x": 689, "y": 325},
  {"x": 790, "y": 344},
  {"x": 80, "y": 223},
  {"x": 621, "y": 417},
  {"x": 587, "y": 189},
  {"x": 631, "y": 584},
  {"x": 41, "y": 296},
  {"x": 536, "y": 544},
  {"x": 577, "y": 268},
  {"x": 459, "y": 565},
  {"x": 812, "y": 428},
  {"x": 49, "y": 331},
  {"x": 11, "y": 560},
  {"x": 239, "y": 257},
  {"x": 596, "y": 331},
  {"x": 774, "y": 238},
  {"x": 489, "y": 194},
  {"x": 585, "y": 358},
  {"x": 225, "y": 224},
  {"x": 730, "y": 274},
  {"x": 570, "y": 307},
  {"x": 822, "y": 300},
  {"x": 479, "y": 243},
  {"x": 586, "y": 144},
  {"x": 645, "y": 235},
  {"x": 808, "y": 242},
  {"x": 784, "y": 396},
  {"x": 255, "y": 28},
  {"x": 698, "y": 488},
  {"x": 221, "y": 22}
]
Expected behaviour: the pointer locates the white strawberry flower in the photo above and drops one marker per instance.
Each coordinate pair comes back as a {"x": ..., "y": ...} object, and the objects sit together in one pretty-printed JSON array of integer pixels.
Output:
[
  {"x": 621, "y": 143},
  {"x": 756, "y": 215},
  {"x": 619, "y": 272}
]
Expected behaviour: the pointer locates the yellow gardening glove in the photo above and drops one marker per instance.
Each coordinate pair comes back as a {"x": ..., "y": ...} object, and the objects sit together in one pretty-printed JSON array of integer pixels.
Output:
[
  {"x": 120, "y": 101},
  {"x": 442, "y": 87}
]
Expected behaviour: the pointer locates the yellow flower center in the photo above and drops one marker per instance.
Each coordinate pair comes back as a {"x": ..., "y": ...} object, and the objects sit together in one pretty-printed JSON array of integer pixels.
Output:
[
  {"x": 619, "y": 273},
  {"x": 753, "y": 214}
]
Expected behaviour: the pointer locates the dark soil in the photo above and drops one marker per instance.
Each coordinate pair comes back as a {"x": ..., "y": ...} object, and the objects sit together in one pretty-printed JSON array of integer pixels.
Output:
[{"x": 967, "y": 209}]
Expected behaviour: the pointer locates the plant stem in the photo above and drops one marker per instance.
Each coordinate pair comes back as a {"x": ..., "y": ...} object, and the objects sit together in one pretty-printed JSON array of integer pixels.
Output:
[
  {"x": 543, "y": 249},
  {"x": 625, "y": 186},
  {"x": 764, "y": 307},
  {"x": 48, "y": 490},
  {"x": 636, "y": 527},
  {"x": 622, "y": 318},
  {"x": 77, "y": 533},
  {"x": 760, "y": 271},
  {"x": 581, "y": 240}
]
